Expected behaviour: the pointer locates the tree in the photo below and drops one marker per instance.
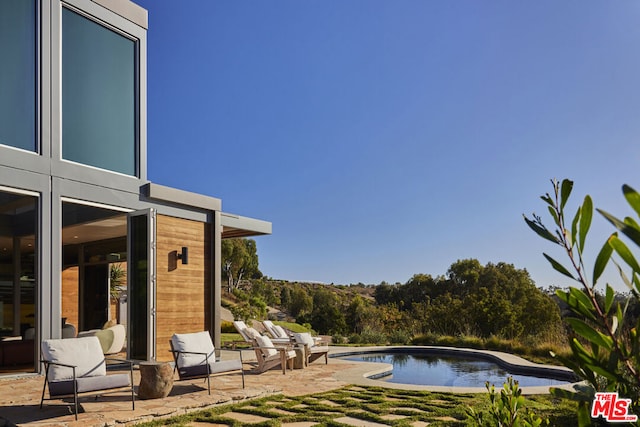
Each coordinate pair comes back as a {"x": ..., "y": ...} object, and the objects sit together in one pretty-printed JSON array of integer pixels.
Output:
[
  {"x": 605, "y": 351},
  {"x": 239, "y": 260},
  {"x": 327, "y": 315},
  {"x": 301, "y": 302}
]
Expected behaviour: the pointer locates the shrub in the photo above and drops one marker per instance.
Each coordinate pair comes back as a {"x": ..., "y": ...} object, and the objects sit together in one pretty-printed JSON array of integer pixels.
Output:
[
  {"x": 605, "y": 350},
  {"x": 369, "y": 336},
  {"x": 507, "y": 409},
  {"x": 399, "y": 337},
  {"x": 227, "y": 327}
]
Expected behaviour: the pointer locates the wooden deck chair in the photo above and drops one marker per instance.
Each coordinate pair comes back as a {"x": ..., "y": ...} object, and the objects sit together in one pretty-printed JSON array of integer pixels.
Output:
[
  {"x": 277, "y": 332},
  {"x": 249, "y": 334},
  {"x": 311, "y": 349},
  {"x": 194, "y": 357},
  {"x": 269, "y": 355}
]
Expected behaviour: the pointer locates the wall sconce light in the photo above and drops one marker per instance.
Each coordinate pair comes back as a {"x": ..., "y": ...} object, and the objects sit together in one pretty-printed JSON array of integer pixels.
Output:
[{"x": 184, "y": 255}]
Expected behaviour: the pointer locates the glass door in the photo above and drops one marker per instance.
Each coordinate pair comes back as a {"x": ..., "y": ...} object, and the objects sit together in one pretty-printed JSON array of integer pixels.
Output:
[{"x": 141, "y": 287}]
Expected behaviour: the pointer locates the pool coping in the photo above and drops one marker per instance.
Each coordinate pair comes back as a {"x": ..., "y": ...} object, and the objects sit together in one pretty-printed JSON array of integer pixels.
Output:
[{"x": 364, "y": 373}]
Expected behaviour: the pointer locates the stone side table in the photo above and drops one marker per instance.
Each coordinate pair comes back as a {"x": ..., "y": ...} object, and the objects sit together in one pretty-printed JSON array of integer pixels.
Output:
[
  {"x": 156, "y": 380},
  {"x": 299, "y": 361}
]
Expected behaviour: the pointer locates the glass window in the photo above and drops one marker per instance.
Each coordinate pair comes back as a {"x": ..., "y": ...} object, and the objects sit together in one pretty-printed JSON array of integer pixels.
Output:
[
  {"x": 18, "y": 278},
  {"x": 99, "y": 102},
  {"x": 18, "y": 74}
]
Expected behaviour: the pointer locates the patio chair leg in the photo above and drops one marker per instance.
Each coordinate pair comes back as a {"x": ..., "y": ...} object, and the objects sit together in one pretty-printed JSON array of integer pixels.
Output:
[
  {"x": 133, "y": 397},
  {"x": 44, "y": 386},
  {"x": 75, "y": 399}
]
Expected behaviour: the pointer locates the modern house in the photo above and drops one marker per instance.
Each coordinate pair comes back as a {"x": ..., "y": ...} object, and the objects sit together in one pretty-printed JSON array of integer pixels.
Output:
[{"x": 75, "y": 201}]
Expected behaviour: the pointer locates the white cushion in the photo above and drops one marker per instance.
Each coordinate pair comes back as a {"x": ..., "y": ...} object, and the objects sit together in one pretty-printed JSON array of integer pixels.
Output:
[
  {"x": 280, "y": 332},
  {"x": 251, "y": 333},
  {"x": 198, "y": 342},
  {"x": 84, "y": 353},
  {"x": 119, "y": 335},
  {"x": 266, "y": 342},
  {"x": 304, "y": 338}
]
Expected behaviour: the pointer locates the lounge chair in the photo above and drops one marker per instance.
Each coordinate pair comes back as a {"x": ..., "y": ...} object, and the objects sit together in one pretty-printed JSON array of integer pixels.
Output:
[
  {"x": 194, "y": 357},
  {"x": 249, "y": 334},
  {"x": 75, "y": 366},
  {"x": 312, "y": 350},
  {"x": 276, "y": 331},
  {"x": 269, "y": 355}
]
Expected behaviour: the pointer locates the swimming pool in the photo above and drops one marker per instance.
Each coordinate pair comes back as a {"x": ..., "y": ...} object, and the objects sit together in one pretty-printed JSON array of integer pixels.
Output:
[{"x": 457, "y": 369}]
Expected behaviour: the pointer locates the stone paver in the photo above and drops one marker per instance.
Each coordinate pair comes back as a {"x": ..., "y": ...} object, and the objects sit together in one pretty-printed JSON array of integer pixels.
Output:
[
  {"x": 300, "y": 424},
  {"x": 201, "y": 424},
  {"x": 358, "y": 423},
  {"x": 245, "y": 418},
  {"x": 390, "y": 417}
]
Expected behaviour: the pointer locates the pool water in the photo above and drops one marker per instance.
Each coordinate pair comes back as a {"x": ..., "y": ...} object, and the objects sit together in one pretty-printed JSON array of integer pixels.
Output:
[{"x": 445, "y": 370}]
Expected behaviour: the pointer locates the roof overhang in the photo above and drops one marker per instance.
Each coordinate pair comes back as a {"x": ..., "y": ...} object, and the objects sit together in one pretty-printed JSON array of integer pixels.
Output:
[
  {"x": 234, "y": 226},
  {"x": 186, "y": 198}
]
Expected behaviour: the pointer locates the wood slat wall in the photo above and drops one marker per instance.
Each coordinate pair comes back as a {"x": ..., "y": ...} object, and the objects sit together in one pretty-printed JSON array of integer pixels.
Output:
[
  {"x": 182, "y": 291},
  {"x": 70, "y": 291}
]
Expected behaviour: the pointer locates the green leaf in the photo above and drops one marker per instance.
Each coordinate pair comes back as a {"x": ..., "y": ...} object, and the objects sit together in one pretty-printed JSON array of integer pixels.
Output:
[
  {"x": 578, "y": 302},
  {"x": 559, "y": 267},
  {"x": 547, "y": 198},
  {"x": 628, "y": 227},
  {"x": 603, "y": 372},
  {"x": 585, "y": 221},
  {"x": 608, "y": 300},
  {"x": 602, "y": 260},
  {"x": 586, "y": 331},
  {"x": 574, "y": 227},
  {"x": 632, "y": 197},
  {"x": 624, "y": 277},
  {"x": 565, "y": 192},
  {"x": 554, "y": 215},
  {"x": 624, "y": 252},
  {"x": 541, "y": 231},
  {"x": 614, "y": 324}
]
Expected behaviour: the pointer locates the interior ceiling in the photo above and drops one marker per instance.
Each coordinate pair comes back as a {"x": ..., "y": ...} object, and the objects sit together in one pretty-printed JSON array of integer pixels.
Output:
[
  {"x": 105, "y": 229},
  {"x": 94, "y": 231}
]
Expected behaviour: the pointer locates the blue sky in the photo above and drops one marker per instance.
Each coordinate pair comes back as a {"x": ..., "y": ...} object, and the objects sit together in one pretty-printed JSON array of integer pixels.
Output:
[{"x": 388, "y": 138}]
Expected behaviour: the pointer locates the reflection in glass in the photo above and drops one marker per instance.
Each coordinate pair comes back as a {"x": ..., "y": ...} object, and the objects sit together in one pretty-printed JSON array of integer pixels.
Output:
[
  {"x": 18, "y": 280},
  {"x": 18, "y": 74},
  {"x": 138, "y": 292},
  {"x": 98, "y": 95}
]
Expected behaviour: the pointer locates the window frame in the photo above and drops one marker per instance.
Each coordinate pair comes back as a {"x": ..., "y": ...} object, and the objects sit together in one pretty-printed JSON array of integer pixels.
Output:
[
  {"x": 37, "y": 84},
  {"x": 78, "y": 171}
]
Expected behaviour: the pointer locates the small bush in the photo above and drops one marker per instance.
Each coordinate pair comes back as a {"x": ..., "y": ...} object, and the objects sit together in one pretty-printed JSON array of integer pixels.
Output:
[
  {"x": 227, "y": 327},
  {"x": 399, "y": 337},
  {"x": 369, "y": 336}
]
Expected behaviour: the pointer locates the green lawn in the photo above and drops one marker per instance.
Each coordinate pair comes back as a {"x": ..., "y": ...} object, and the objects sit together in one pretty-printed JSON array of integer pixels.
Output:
[{"x": 377, "y": 404}]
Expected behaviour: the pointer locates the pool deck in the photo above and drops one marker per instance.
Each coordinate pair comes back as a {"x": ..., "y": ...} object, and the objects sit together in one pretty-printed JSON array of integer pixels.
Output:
[{"x": 20, "y": 395}]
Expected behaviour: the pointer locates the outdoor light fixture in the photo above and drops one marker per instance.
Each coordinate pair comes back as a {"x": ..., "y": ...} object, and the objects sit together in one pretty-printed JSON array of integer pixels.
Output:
[{"x": 184, "y": 256}]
